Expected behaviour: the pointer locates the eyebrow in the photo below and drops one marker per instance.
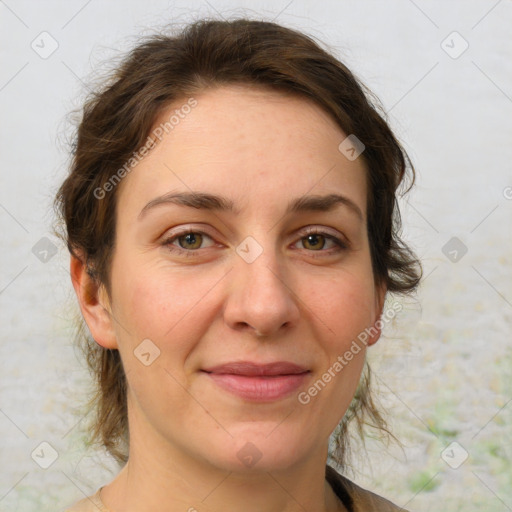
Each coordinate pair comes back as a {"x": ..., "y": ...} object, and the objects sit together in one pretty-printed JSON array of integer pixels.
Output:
[{"x": 205, "y": 201}]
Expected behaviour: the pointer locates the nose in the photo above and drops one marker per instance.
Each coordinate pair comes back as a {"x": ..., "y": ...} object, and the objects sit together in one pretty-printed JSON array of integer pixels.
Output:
[{"x": 260, "y": 297}]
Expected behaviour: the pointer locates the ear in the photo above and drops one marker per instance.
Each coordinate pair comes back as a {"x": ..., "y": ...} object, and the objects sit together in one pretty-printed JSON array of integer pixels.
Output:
[
  {"x": 94, "y": 304},
  {"x": 376, "y": 328}
]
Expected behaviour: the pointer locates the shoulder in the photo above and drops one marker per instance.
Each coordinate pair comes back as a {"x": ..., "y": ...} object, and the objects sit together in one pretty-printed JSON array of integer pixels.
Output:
[
  {"x": 356, "y": 498},
  {"x": 90, "y": 504}
]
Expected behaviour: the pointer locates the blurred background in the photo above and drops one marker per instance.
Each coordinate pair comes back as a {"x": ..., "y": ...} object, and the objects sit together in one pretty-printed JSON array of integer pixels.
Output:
[{"x": 443, "y": 369}]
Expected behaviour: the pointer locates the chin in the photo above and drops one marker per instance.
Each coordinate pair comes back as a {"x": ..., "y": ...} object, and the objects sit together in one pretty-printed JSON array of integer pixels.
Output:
[{"x": 255, "y": 449}]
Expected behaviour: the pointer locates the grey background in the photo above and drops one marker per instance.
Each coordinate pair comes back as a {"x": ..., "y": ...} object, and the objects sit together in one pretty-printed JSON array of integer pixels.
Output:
[{"x": 444, "y": 366}]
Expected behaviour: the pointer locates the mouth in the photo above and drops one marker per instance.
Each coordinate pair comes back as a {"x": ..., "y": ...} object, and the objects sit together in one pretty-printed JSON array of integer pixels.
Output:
[{"x": 258, "y": 382}]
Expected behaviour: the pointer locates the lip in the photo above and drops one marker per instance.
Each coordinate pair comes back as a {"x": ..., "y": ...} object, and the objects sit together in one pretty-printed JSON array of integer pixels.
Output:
[
  {"x": 258, "y": 382},
  {"x": 250, "y": 369}
]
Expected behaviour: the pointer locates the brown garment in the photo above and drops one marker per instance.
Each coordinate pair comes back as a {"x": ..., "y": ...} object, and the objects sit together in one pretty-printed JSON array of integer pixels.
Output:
[{"x": 355, "y": 498}]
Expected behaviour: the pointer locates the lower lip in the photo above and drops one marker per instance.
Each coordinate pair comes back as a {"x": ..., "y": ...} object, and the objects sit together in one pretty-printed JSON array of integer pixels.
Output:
[{"x": 261, "y": 388}]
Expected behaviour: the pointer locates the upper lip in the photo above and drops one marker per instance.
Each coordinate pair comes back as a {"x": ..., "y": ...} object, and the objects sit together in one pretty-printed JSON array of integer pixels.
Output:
[{"x": 256, "y": 369}]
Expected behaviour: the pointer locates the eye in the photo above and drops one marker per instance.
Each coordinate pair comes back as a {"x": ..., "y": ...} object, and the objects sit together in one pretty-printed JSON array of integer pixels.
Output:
[
  {"x": 315, "y": 240},
  {"x": 187, "y": 242}
]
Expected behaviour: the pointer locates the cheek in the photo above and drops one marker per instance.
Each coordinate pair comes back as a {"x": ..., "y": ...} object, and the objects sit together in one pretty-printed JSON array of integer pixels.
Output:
[
  {"x": 346, "y": 309},
  {"x": 345, "y": 305},
  {"x": 165, "y": 305}
]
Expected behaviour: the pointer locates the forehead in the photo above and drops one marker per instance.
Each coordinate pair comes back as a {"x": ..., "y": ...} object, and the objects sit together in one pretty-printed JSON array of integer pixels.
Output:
[{"x": 250, "y": 144}]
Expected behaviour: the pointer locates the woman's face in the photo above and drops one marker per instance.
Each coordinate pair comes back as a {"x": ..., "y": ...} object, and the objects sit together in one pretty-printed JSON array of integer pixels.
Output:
[{"x": 247, "y": 284}]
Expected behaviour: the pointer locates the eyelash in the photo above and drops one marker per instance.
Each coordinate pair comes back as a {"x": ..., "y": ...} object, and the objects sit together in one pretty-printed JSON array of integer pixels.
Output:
[{"x": 168, "y": 242}]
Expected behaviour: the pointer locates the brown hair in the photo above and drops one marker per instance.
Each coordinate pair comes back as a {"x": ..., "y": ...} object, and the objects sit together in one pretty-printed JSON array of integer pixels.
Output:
[{"x": 117, "y": 119}]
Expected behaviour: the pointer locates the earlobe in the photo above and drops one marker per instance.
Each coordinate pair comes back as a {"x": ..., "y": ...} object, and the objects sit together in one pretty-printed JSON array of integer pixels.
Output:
[
  {"x": 376, "y": 329},
  {"x": 93, "y": 302}
]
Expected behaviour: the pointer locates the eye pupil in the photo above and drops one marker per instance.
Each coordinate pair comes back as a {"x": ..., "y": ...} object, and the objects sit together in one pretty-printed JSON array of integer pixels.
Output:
[
  {"x": 313, "y": 240},
  {"x": 191, "y": 238}
]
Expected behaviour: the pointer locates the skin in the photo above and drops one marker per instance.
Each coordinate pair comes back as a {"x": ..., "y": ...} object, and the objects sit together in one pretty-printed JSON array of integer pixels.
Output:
[{"x": 301, "y": 300}]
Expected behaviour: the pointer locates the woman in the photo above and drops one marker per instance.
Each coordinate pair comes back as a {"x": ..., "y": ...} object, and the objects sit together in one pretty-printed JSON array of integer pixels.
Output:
[{"x": 232, "y": 222}]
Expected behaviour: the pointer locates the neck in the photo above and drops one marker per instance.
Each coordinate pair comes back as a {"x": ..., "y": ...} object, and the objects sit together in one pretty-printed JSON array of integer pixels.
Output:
[
  {"x": 133, "y": 491},
  {"x": 160, "y": 477}
]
